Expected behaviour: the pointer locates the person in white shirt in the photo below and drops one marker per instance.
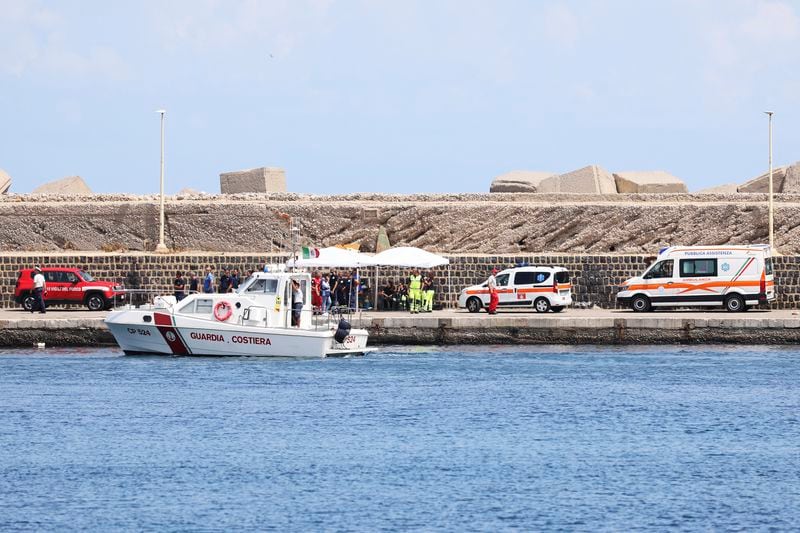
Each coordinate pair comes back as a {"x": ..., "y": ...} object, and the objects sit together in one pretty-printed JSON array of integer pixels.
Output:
[
  {"x": 38, "y": 290},
  {"x": 297, "y": 303},
  {"x": 494, "y": 299}
]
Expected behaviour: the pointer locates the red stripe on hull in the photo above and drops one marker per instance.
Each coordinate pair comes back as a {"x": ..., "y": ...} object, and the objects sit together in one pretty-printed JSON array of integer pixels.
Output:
[{"x": 170, "y": 334}]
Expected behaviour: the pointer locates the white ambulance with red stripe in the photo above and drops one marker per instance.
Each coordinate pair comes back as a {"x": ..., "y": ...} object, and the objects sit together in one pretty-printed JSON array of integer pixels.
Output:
[
  {"x": 543, "y": 288},
  {"x": 734, "y": 277}
]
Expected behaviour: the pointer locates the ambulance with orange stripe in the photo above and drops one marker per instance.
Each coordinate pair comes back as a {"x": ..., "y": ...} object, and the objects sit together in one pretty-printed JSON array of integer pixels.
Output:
[
  {"x": 734, "y": 277},
  {"x": 544, "y": 288}
]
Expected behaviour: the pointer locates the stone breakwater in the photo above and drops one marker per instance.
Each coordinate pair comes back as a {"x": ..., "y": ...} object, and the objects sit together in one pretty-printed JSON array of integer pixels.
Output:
[
  {"x": 506, "y": 224},
  {"x": 595, "y": 277},
  {"x": 448, "y": 327}
]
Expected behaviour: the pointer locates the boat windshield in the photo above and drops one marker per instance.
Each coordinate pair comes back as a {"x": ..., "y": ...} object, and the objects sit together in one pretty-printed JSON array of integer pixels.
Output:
[{"x": 261, "y": 286}]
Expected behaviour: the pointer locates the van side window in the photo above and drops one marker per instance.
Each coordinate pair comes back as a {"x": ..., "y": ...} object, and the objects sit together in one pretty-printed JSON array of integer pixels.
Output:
[
  {"x": 562, "y": 277},
  {"x": 662, "y": 269},
  {"x": 530, "y": 278},
  {"x": 523, "y": 278},
  {"x": 698, "y": 267},
  {"x": 502, "y": 280}
]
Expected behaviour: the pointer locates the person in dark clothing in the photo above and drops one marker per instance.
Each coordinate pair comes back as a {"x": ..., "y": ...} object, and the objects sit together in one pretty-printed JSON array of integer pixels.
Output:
[
  {"x": 352, "y": 295},
  {"x": 225, "y": 281},
  {"x": 193, "y": 283},
  {"x": 401, "y": 296},
  {"x": 235, "y": 280},
  {"x": 386, "y": 296},
  {"x": 179, "y": 286},
  {"x": 344, "y": 290},
  {"x": 334, "y": 283}
]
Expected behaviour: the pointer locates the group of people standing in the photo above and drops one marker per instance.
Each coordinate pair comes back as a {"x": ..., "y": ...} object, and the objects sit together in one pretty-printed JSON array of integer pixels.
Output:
[
  {"x": 415, "y": 294},
  {"x": 229, "y": 281},
  {"x": 336, "y": 289}
]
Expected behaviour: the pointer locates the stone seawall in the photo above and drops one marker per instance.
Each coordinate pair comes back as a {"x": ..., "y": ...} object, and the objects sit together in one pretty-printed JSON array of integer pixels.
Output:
[
  {"x": 453, "y": 224},
  {"x": 575, "y": 326},
  {"x": 595, "y": 277}
]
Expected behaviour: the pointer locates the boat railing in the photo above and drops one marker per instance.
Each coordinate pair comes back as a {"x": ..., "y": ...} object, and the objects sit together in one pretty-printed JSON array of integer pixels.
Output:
[
  {"x": 141, "y": 297},
  {"x": 326, "y": 321},
  {"x": 312, "y": 319}
]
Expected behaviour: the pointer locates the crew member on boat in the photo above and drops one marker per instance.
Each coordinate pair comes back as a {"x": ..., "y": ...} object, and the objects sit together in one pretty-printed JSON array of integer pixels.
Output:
[{"x": 297, "y": 303}]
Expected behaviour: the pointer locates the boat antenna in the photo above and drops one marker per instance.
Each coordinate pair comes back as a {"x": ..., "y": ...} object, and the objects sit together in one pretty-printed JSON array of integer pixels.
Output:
[{"x": 295, "y": 236}]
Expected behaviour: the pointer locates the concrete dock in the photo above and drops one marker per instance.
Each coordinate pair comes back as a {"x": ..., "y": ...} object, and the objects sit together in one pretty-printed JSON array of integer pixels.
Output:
[{"x": 573, "y": 326}]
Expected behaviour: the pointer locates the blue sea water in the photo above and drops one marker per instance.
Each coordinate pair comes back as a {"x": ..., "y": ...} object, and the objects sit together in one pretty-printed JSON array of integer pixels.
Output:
[{"x": 426, "y": 439}]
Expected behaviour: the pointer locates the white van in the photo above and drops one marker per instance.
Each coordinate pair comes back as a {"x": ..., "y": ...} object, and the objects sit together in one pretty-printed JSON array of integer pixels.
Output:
[
  {"x": 735, "y": 277},
  {"x": 544, "y": 288}
]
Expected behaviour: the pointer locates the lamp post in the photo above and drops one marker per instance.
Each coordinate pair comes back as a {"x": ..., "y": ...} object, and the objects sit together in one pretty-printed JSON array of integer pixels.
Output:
[
  {"x": 161, "y": 247},
  {"x": 771, "y": 206}
]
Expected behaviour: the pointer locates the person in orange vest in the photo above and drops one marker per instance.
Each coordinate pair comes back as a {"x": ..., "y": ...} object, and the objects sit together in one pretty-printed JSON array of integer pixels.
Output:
[{"x": 491, "y": 283}]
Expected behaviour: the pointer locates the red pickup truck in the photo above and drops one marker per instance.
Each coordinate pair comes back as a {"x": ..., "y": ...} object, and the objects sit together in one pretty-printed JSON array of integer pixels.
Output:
[{"x": 66, "y": 286}]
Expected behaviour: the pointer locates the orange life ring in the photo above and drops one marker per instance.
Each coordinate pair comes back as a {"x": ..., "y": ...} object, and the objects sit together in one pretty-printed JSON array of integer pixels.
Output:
[{"x": 223, "y": 311}]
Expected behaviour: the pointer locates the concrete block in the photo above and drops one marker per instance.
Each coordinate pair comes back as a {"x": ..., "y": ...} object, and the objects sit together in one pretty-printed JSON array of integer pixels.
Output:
[
  {"x": 264, "y": 179},
  {"x": 519, "y": 181},
  {"x": 761, "y": 183},
  {"x": 588, "y": 180},
  {"x": 650, "y": 181},
  {"x": 791, "y": 182},
  {"x": 72, "y": 185},
  {"x": 5, "y": 181},
  {"x": 727, "y": 188}
]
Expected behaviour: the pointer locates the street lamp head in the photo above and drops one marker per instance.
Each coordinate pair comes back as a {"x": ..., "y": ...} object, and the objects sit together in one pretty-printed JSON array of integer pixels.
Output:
[
  {"x": 162, "y": 111},
  {"x": 770, "y": 113}
]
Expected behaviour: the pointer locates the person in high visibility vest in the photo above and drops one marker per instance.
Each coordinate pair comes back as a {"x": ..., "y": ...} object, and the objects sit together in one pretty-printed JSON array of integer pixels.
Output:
[
  {"x": 427, "y": 293},
  {"x": 415, "y": 291}
]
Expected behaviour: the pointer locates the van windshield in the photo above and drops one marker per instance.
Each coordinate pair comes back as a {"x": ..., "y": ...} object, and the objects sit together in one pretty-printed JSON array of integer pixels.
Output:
[{"x": 662, "y": 269}]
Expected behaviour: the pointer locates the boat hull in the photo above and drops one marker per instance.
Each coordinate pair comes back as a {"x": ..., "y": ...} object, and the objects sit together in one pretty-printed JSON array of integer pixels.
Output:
[{"x": 161, "y": 333}]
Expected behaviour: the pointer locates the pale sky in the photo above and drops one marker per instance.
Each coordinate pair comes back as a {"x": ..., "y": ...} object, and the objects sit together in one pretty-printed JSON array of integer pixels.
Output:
[{"x": 394, "y": 96}]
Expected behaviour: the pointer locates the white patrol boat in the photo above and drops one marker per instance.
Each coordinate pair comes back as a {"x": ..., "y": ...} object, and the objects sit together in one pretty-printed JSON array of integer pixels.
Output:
[{"x": 256, "y": 320}]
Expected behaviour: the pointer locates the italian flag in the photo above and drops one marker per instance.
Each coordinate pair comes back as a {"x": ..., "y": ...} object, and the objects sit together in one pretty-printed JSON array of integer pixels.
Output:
[{"x": 310, "y": 253}]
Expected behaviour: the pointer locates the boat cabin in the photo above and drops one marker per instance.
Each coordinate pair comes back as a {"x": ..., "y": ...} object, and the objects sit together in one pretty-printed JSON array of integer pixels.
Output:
[{"x": 263, "y": 299}]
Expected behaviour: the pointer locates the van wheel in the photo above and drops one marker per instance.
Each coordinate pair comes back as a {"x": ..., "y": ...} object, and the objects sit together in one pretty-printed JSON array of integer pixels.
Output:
[
  {"x": 95, "y": 302},
  {"x": 735, "y": 303},
  {"x": 28, "y": 302},
  {"x": 474, "y": 305},
  {"x": 557, "y": 308},
  {"x": 640, "y": 303},
  {"x": 541, "y": 305}
]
